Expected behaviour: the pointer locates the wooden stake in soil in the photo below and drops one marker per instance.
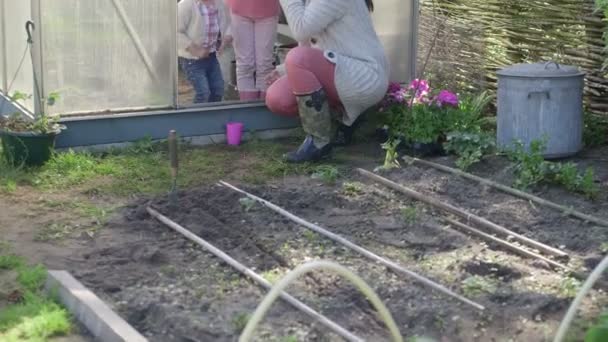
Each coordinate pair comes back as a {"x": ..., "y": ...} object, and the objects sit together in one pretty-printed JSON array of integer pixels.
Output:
[
  {"x": 337, "y": 238},
  {"x": 505, "y": 244},
  {"x": 512, "y": 191},
  {"x": 460, "y": 212},
  {"x": 254, "y": 276}
]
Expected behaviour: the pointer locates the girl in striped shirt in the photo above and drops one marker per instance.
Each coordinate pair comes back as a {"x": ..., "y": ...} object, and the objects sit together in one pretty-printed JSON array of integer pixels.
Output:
[{"x": 203, "y": 32}]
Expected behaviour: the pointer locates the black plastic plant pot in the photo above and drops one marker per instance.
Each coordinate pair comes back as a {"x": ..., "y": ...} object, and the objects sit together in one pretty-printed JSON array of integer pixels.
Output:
[
  {"x": 427, "y": 149},
  {"x": 381, "y": 134},
  {"x": 27, "y": 148}
]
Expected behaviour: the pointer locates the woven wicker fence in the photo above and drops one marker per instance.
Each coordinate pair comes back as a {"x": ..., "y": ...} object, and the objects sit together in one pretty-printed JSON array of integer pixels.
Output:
[{"x": 474, "y": 38}]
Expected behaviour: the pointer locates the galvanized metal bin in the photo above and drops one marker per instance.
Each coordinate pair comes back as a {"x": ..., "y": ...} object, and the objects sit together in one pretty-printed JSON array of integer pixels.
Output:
[{"x": 541, "y": 100}]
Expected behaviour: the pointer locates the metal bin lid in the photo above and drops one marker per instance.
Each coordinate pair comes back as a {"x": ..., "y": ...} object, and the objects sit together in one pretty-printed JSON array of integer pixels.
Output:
[{"x": 544, "y": 69}]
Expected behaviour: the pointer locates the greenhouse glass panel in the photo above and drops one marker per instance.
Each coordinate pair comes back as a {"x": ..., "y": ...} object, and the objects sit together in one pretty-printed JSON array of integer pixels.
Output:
[
  {"x": 19, "y": 71},
  {"x": 109, "y": 54},
  {"x": 396, "y": 24},
  {"x": 3, "y": 80}
]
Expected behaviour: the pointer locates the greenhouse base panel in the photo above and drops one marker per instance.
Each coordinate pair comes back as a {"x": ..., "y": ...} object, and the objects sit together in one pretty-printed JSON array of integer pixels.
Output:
[
  {"x": 201, "y": 125},
  {"x": 89, "y": 131}
]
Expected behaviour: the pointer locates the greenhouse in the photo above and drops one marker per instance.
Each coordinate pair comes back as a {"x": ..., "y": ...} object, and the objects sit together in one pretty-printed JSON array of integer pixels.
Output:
[{"x": 130, "y": 69}]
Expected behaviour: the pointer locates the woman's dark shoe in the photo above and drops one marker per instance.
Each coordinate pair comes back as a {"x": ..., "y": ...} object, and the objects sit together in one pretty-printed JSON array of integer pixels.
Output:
[
  {"x": 307, "y": 152},
  {"x": 346, "y": 134}
]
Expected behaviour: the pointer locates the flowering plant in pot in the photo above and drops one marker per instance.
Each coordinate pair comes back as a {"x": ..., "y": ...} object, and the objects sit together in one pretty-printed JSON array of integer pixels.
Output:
[
  {"x": 27, "y": 141},
  {"x": 417, "y": 117}
]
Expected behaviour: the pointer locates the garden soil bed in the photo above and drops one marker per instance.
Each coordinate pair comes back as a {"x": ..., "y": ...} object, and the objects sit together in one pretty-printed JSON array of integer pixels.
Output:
[{"x": 172, "y": 290}]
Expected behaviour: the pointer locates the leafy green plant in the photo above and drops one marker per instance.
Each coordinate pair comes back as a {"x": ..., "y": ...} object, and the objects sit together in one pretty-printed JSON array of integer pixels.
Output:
[
  {"x": 425, "y": 124},
  {"x": 586, "y": 183},
  {"x": 352, "y": 189},
  {"x": 272, "y": 275},
  {"x": 327, "y": 173},
  {"x": 425, "y": 118},
  {"x": 409, "y": 214},
  {"x": 595, "y": 131},
  {"x": 240, "y": 320},
  {"x": 311, "y": 236},
  {"x": 10, "y": 262},
  {"x": 391, "y": 156},
  {"x": 476, "y": 105},
  {"x": 20, "y": 96},
  {"x": 41, "y": 124},
  {"x": 602, "y": 5},
  {"x": 531, "y": 169},
  {"x": 290, "y": 338},
  {"x": 247, "y": 203},
  {"x": 529, "y": 165},
  {"x": 477, "y": 285},
  {"x": 568, "y": 287},
  {"x": 567, "y": 175},
  {"x": 470, "y": 116},
  {"x": 10, "y": 186},
  {"x": 469, "y": 147},
  {"x": 599, "y": 331}
]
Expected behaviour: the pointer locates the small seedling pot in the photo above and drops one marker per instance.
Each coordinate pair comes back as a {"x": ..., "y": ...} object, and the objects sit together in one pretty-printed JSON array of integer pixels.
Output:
[
  {"x": 234, "y": 133},
  {"x": 28, "y": 148}
]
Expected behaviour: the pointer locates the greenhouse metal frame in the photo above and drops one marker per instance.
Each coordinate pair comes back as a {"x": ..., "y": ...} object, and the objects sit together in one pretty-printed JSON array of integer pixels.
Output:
[{"x": 113, "y": 65}]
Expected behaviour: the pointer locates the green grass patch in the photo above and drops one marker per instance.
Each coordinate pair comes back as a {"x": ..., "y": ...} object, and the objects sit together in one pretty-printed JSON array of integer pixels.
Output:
[
  {"x": 143, "y": 168},
  {"x": 83, "y": 209},
  {"x": 84, "y": 217},
  {"x": 5, "y": 247},
  {"x": 10, "y": 262},
  {"x": 32, "y": 278},
  {"x": 71, "y": 168},
  {"x": 59, "y": 231},
  {"x": 35, "y": 317},
  {"x": 50, "y": 320}
]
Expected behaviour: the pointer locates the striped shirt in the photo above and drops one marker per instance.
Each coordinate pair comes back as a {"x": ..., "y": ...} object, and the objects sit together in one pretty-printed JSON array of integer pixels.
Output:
[{"x": 211, "y": 20}]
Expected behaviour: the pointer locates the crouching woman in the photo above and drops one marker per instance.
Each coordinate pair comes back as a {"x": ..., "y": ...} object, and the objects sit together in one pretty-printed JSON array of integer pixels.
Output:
[{"x": 339, "y": 67}]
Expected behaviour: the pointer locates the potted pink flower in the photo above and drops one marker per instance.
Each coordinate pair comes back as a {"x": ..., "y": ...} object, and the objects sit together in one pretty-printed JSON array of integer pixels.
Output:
[{"x": 417, "y": 117}]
